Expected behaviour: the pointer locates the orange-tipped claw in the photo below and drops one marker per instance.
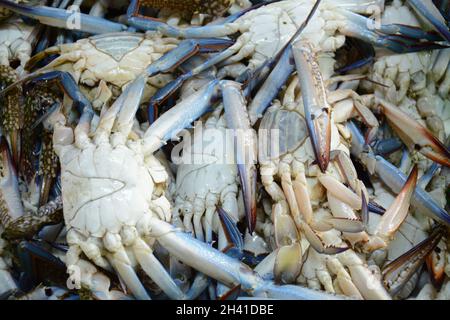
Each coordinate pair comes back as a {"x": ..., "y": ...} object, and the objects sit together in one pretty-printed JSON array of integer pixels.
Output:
[
  {"x": 398, "y": 211},
  {"x": 414, "y": 135},
  {"x": 397, "y": 273}
]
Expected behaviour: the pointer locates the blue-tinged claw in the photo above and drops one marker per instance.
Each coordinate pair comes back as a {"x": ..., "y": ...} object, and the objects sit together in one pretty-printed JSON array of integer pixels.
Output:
[
  {"x": 245, "y": 142},
  {"x": 65, "y": 19},
  {"x": 427, "y": 10},
  {"x": 428, "y": 175},
  {"x": 234, "y": 236},
  {"x": 387, "y": 36},
  {"x": 376, "y": 208},
  {"x": 394, "y": 178},
  {"x": 161, "y": 96},
  {"x": 364, "y": 211},
  {"x": 410, "y": 32},
  {"x": 317, "y": 110},
  {"x": 38, "y": 265}
]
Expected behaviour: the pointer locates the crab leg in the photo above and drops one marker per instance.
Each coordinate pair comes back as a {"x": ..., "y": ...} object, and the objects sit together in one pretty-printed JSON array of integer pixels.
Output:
[
  {"x": 413, "y": 134},
  {"x": 64, "y": 19},
  {"x": 279, "y": 67},
  {"x": 317, "y": 110},
  {"x": 272, "y": 85},
  {"x": 225, "y": 269},
  {"x": 428, "y": 11},
  {"x": 224, "y": 29},
  {"x": 180, "y": 117},
  {"x": 400, "y": 42},
  {"x": 185, "y": 50},
  {"x": 394, "y": 178},
  {"x": 245, "y": 139},
  {"x": 10, "y": 201}
]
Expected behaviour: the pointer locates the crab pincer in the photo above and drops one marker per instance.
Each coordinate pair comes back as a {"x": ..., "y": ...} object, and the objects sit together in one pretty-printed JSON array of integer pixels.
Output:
[
  {"x": 394, "y": 178},
  {"x": 428, "y": 10},
  {"x": 414, "y": 134},
  {"x": 397, "y": 273},
  {"x": 225, "y": 28},
  {"x": 245, "y": 141},
  {"x": 317, "y": 109},
  {"x": 395, "y": 214}
]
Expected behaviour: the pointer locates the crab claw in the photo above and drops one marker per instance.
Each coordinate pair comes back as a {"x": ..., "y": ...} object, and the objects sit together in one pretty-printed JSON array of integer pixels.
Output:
[
  {"x": 427, "y": 10},
  {"x": 397, "y": 38},
  {"x": 245, "y": 140},
  {"x": 397, "y": 273},
  {"x": 317, "y": 110},
  {"x": 65, "y": 19},
  {"x": 234, "y": 237},
  {"x": 414, "y": 134},
  {"x": 38, "y": 264},
  {"x": 395, "y": 214},
  {"x": 317, "y": 243}
]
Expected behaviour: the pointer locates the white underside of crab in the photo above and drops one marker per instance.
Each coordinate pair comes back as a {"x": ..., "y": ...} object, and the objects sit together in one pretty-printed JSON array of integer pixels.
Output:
[
  {"x": 113, "y": 59},
  {"x": 111, "y": 190},
  {"x": 207, "y": 177}
]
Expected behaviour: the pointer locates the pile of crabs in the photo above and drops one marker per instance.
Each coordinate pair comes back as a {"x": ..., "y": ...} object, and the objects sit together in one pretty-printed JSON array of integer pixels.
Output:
[{"x": 224, "y": 149}]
